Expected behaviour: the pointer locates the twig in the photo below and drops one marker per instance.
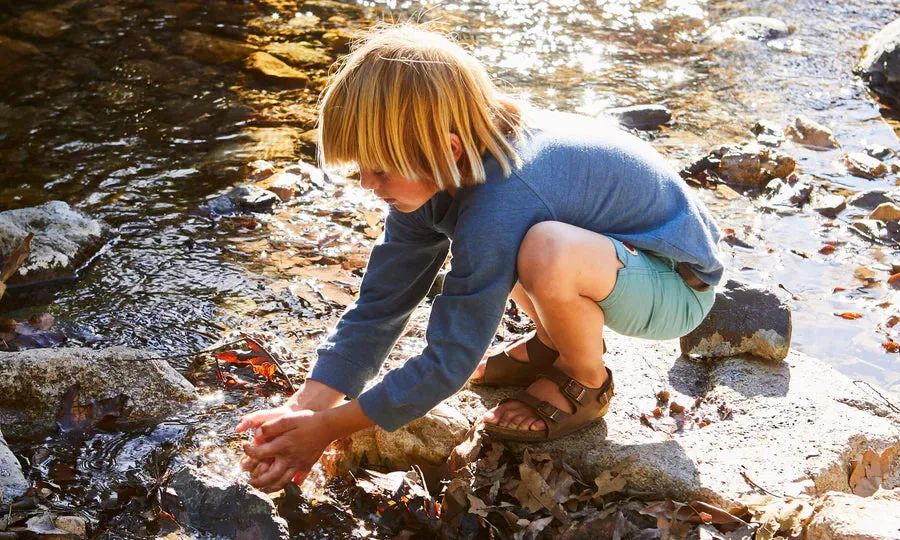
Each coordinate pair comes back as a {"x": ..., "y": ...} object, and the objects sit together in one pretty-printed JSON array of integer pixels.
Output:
[
  {"x": 755, "y": 485},
  {"x": 893, "y": 407},
  {"x": 272, "y": 357}
]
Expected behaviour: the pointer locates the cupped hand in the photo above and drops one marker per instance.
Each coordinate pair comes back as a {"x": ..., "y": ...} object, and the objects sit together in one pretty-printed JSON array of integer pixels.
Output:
[{"x": 285, "y": 448}]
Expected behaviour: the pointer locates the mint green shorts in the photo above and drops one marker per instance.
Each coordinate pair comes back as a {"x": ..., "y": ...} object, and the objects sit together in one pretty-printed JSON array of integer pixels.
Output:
[{"x": 650, "y": 299}]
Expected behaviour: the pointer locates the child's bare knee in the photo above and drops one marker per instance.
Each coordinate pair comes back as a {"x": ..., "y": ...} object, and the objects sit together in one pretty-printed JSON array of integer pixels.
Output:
[{"x": 542, "y": 254}]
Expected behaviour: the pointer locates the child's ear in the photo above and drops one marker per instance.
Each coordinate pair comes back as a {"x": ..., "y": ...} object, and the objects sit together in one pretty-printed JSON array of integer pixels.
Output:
[{"x": 456, "y": 146}]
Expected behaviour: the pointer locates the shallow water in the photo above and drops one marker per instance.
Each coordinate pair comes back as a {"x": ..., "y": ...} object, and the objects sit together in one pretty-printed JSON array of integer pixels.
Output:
[{"x": 113, "y": 119}]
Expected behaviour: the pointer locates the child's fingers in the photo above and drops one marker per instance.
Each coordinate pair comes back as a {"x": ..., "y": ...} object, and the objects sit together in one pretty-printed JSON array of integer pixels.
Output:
[
  {"x": 258, "y": 418},
  {"x": 264, "y": 451},
  {"x": 274, "y": 473},
  {"x": 276, "y": 427}
]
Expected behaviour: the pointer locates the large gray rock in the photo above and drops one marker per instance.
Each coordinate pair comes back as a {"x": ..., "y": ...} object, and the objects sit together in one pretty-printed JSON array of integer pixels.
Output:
[
  {"x": 12, "y": 481},
  {"x": 425, "y": 442},
  {"x": 776, "y": 423},
  {"x": 64, "y": 240},
  {"x": 880, "y": 62},
  {"x": 743, "y": 319},
  {"x": 848, "y": 517},
  {"x": 35, "y": 382},
  {"x": 222, "y": 507}
]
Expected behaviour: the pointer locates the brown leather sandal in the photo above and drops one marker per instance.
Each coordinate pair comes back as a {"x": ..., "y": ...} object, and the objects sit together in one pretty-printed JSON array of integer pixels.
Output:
[
  {"x": 504, "y": 370},
  {"x": 589, "y": 403}
]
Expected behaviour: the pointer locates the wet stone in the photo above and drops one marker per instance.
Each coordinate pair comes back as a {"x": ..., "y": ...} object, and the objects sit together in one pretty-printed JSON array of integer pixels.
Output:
[
  {"x": 64, "y": 239},
  {"x": 12, "y": 480},
  {"x": 787, "y": 195},
  {"x": 751, "y": 27},
  {"x": 299, "y": 54},
  {"x": 870, "y": 200},
  {"x": 886, "y": 212},
  {"x": 213, "y": 49},
  {"x": 768, "y": 133},
  {"x": 223, "y": 507},
  {"x": 35, "y": 383},
  {"x": 642, "y": 116},
  {"x": 809, "y": 133},
  {"x": 863, "y": 165},
  {"x": 268, "y": 65},
  {"x": 253, "y": 199},
  {"x": 829, "y": 205},
  {"x": 743, "y": 319},
  {"x": 283, "y": 184},
  {"x": 880, "y": 63},
  {"x": 751, "y": 164},
  {"x": 878, "y": 151},
  {"x": 39, "y": 24}
]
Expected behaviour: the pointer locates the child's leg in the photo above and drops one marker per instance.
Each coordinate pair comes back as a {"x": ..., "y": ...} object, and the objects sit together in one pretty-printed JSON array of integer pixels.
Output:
[{"x": 564, "y": 271}]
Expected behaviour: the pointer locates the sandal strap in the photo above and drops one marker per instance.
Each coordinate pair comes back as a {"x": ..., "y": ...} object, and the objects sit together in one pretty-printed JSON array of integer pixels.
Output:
[
  {"x": 539, "y": 354},
  {"x": 546, "y": 411},
  {"x": 578, "y": 394}
]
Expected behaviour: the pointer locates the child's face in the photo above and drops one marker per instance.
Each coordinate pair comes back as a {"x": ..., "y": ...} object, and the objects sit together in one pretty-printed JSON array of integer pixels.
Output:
[{"x": 406, "y": 195}]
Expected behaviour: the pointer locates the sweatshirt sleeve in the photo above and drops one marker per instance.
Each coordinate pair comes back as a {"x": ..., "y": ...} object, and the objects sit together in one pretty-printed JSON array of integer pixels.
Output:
[
  {"x": 401, "y": 269},
  {"x": 464, "y": 318}
]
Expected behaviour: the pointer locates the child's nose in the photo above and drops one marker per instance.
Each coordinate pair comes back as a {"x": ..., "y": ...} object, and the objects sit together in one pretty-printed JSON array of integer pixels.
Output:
[{"x": 367, "y": 180}]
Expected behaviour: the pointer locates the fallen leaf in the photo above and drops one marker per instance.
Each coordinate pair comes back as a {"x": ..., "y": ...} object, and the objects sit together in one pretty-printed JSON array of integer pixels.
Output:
[
  {"x": 867, "y": 474},
  {"x": 892, "y": 321},
  {"x": 74, "y": 414},
  {"x": 266, "y": 370},
  {"x": 850, "y": 316},
  {"x": 891, "y": 346},
  {"x": 675, "y": 408},
  {"x": 533, "y": 492},
  {"x": 607, "y": 483},
  {"x": 894, "y": 281},
  {"x": 663, "y": 396},
  {"x": 827, "y": 249}
]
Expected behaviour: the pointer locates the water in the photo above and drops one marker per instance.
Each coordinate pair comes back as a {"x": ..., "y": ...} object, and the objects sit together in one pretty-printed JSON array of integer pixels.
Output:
[{"x": 114, "y": 118}]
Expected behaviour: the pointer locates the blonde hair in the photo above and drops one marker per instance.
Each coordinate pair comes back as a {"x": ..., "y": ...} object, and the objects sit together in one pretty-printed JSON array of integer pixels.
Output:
[{"x": 395, "y": 99}]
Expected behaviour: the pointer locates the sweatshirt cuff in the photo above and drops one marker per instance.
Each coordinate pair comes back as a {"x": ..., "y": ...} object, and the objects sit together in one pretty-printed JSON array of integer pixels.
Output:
[
  {"x": 374, "y": 402},
  {"x": 337, "y": 372}
]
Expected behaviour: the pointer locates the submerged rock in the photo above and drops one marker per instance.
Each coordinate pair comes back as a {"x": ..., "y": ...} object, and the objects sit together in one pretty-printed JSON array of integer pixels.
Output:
[
  {"x": 12, "y": 481},
  {"x": 886, "y": 212},
  {"x": 425, "y": 442},
  {"x": 64, "y": 240},
  {"x": 222, "y": 507},
  {"x": 253, "y": 144},
  {"x": 850, "y": 517},
  {"x": 768, "y": 133},
  {"x": 42, "y": 388},
  {"x": 249, "y": 198},
  {"x": 785, "y": 195},
  {"x": 750, "y": 27},
  {"x": 743, "y": 319},
  {"x": 880, "y": 63},
  {"x": 642, "y": 116},
  {"x": 40, "y": 24},
  {"x": 268, "y": 65},
  {"x": 299, "y": 54},
  {"x": 869, "y": 200},
  {"x": 828, "y": 204},
  {"x": 808, "y": 133},
  {"x": 751, "y": 164},
  {"x": 213, "y": 49}
]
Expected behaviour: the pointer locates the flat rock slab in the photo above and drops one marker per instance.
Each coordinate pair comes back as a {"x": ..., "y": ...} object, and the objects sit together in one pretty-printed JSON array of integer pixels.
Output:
[
  {"x": 222, "y": 507},
  {"x": 64, "y": 239},
  {"x": 848, "y": 517},
  {"x": 777, "y": 423},
  {"x": 35, "y": 382}
]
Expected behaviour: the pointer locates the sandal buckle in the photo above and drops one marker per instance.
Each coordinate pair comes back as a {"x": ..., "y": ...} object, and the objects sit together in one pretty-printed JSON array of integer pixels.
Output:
[
  {"x": 574, "y": 389},
  {"x": 549, "y": 410}
]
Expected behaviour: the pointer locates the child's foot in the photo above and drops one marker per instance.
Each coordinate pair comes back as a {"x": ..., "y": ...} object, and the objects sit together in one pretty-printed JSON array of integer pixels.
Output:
[
  {"x": 516, "y": 351},
  {"x": 517, "y": 415}
]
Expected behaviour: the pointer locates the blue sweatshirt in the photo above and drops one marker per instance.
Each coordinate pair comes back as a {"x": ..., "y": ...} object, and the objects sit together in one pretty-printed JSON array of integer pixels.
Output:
[{"x": 576, "y": 170}]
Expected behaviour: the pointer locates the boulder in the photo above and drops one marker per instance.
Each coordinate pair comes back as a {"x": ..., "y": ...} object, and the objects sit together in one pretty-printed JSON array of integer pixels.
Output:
[
  {"x": 750, "y": 27},
  {"x": 12, "y": 481},
  {"x": 42, "y": 389},
  {"x": 221, "y": 507},
  {"x": 751, "y": 164},
  {"x": 886, "y": 212},
  {"x": 808, "y": 133},
  {"x": 425, "y": 442},
  {"x": 880, "y": 63},
  {"x": 64, "y": 240},
  {"x": 299, "y": 54},
  {"x": 743, "y": 319},
  {"x": 642, "y": 116},
  {"x": 213, "y": 49},
  {"x": 266, "y": 64},
  {"x": 39, "y": 24},
  {"x": 863, "y": 165},
  {"x": 773, "y": 422},
  {"x": 848, "y": 517}
]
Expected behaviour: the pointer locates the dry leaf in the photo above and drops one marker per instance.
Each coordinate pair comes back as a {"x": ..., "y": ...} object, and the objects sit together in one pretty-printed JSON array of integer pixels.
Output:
[
  {"x": 607, "y": 483},
  {"x": 894, "y": 281},
  {"x": 533, "y": 492},
  {"x": 849, "y": 315},
  {"x": 867, "y": 474},
  {"x": 892, "y": 321},
  {"x": 891, "y": 346}
]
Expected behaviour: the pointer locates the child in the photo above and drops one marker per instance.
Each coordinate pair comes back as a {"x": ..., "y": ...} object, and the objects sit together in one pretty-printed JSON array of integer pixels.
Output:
[{"x": 581, "y": 224}]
